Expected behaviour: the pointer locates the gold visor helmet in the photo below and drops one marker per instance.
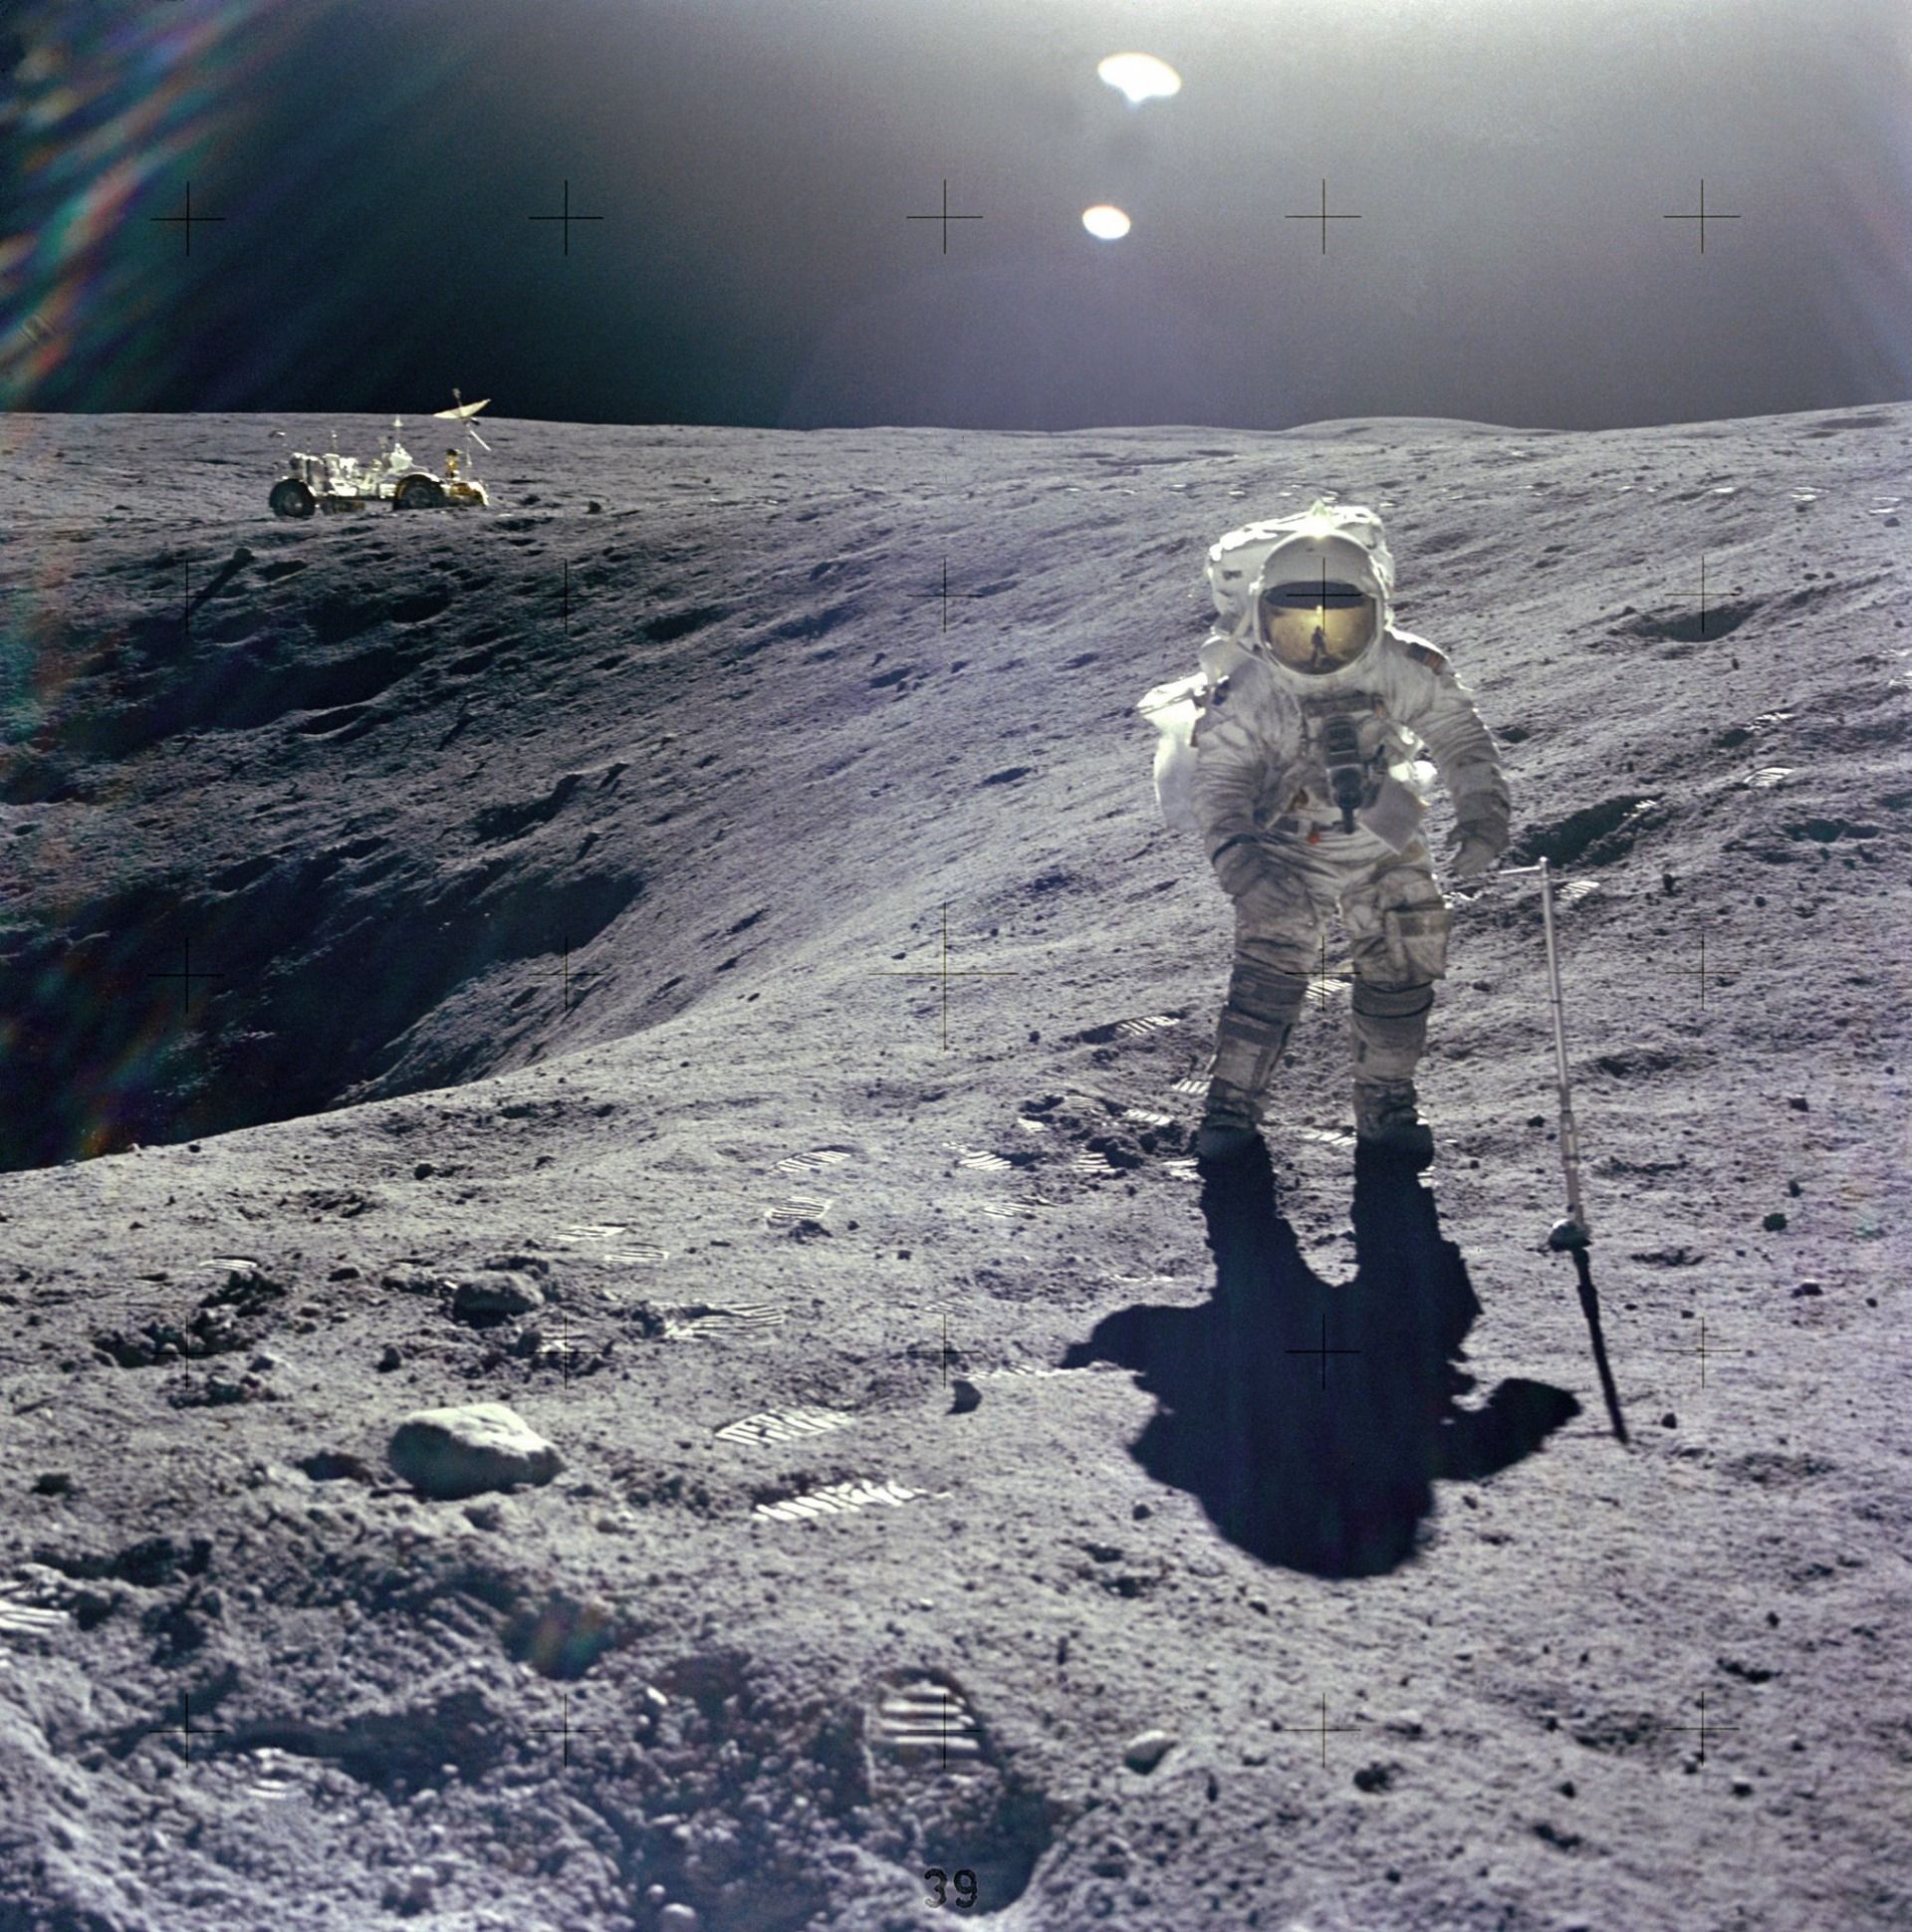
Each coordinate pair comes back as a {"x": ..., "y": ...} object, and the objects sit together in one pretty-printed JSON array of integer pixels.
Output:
[{"x": 1314, "y": 621}]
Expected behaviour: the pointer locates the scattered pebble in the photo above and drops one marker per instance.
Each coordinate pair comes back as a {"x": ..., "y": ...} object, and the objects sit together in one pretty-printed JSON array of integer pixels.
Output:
[
  {"x": 1807, "y": 1288},
  {"x": 1774, "y": 1222},
  {"x": 1146, "y": 1750},
  {"x": 392, "y": 1359},
  {"x": 1669, "y": 1420}
]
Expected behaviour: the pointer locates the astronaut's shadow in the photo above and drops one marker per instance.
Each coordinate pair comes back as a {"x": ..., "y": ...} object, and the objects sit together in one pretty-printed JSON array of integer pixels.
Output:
[{"x": 1312, "y": 1421}]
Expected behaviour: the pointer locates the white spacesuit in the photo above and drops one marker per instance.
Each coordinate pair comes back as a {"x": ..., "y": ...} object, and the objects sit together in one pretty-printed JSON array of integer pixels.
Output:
[{"x": 1294, "y": 753}]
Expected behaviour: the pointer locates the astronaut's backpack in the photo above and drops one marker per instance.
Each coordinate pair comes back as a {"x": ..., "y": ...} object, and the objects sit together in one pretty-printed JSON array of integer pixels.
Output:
[{"x": 1234, "y": 565}]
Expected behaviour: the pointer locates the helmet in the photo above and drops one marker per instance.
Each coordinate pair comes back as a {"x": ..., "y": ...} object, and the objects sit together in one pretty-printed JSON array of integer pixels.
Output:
[
  {"x": 1307, "y": 592},
  {"x": 1316, "y": 610}
]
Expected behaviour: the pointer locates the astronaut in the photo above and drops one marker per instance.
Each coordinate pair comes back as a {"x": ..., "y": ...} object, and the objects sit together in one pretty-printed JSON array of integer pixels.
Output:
[{"x": 1294, "y": 753}]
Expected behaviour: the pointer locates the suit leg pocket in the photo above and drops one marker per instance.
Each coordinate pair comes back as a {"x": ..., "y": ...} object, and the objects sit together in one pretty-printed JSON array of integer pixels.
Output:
[{"x": 1416, "y": 938}]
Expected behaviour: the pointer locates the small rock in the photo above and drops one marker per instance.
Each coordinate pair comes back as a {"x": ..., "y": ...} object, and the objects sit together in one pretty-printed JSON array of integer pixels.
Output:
[
  {"x": 678, "y": 1918},
  {"x": 1774, "y": 1222},
  {"x": 1146, "y": 1750},
  {"x": 1807, "y": 1288},
  {"x": 464, "y": 1451},
  {"x": 56, "y": 1482},
  {"x": 1795, "y": 1190},
  {"x": 392, "y": 1359},
  {"x": 415, "y": 1892},
  {"x": 1741, "y": 1787},
  {"x": 408, "y": 1278},
  {"x": 967, "y": 1396},
  {"x": 1407, "y": 1723},
  {"x": 1798, "y": 1104},
  {"x": 423, "y": 1171},
  {"x": 1669, "y": 1420},
  {"x": 496, "y": 1296},
  {"x": 346, "y": 1273},
  {"x": 1375, "y": 1776},
  {"x": 594, "y": 508}
]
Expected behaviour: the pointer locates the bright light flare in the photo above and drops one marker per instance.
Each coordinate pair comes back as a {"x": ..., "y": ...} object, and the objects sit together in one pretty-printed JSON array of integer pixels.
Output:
[
  {"x": 1142, "y": 77},
  {"x": 1105, "y": 223}
]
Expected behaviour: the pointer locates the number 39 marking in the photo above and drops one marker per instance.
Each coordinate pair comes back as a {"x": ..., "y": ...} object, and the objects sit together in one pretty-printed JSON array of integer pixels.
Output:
[{"x": 964, "y": 1881}]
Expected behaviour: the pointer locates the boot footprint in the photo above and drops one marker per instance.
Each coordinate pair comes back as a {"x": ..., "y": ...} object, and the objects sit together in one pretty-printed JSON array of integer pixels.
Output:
[{"x": 952, "y": 1804}]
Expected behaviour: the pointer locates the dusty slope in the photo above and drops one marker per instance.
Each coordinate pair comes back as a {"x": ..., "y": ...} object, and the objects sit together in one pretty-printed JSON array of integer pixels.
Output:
[{"x": 379, "y": 789}]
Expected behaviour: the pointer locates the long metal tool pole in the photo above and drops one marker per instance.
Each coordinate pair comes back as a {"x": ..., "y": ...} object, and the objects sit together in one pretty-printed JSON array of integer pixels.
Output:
[
  {"x": 1571, "y": 1235},
  {"x": 1570, "y": 1132}
]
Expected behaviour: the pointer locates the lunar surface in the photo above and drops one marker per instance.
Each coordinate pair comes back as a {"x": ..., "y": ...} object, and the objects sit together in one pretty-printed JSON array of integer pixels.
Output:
[{"x": 609, "y": 1317}]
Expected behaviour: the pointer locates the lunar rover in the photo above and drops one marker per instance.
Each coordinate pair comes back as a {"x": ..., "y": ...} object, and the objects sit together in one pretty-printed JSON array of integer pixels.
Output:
[{"x": 331, "y": 482}]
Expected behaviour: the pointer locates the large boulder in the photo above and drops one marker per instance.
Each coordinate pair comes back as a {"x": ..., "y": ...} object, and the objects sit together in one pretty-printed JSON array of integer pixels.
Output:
[{"x": 465, "y": 1451}]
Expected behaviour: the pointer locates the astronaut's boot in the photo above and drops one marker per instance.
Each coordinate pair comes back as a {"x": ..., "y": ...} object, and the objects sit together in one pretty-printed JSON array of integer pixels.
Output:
[
  {"x": 1387, "y": 1121},
  {"x": 1256, "y": 1021},
  {"x": 1390, "y": 1029}
]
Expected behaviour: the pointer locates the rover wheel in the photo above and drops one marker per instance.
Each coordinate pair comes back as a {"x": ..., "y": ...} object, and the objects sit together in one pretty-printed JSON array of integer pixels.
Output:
[
  {"x": 419, "y": 493},
  {"x": 291, "y": 498}
]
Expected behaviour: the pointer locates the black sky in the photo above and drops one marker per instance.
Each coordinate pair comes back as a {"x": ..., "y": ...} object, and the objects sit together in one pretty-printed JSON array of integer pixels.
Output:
[{"x": 753, "y": 166}]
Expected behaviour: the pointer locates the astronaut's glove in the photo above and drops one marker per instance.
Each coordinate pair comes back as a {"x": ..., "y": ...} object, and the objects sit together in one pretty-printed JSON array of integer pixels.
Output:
[{"x": 1476, "y": 848}]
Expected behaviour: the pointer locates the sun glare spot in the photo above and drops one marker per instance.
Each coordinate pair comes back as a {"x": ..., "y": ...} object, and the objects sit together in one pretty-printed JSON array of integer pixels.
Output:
[
  {"x": 1105, "y": 223},
  {"x": 1142, "y": 77}
]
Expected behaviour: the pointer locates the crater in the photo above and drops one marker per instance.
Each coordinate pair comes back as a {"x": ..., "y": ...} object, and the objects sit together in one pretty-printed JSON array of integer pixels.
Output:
[
  {"x": 1597, "y": 834},
  {"x": 1694, "y": 626},
  {"x": 422, "y": 604}
]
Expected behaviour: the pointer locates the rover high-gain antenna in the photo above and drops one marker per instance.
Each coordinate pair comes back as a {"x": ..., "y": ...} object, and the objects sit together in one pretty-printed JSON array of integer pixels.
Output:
[{"x": 463, "y": 411}]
